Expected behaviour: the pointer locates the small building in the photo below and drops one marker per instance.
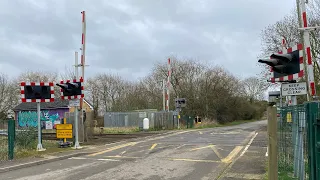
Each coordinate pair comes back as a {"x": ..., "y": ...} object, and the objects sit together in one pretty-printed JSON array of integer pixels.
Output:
[{"x": 52, "y": 113}]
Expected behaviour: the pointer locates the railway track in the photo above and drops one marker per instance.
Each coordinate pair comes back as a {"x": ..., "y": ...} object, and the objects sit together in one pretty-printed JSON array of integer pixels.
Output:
[{"x": 52, "y": 136}]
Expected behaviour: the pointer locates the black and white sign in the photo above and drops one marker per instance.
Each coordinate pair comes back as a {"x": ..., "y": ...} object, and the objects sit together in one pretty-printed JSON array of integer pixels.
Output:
[{"x": 293, "y": 89}]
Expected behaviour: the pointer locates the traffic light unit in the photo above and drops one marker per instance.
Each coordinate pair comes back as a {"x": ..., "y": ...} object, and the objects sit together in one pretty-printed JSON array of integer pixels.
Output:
[
  {"x": 71, "y": 90},
  {"x": 37, "y": 91},
  {"x": 180, "y": 102},
  {"x": 286, "y": 66}
]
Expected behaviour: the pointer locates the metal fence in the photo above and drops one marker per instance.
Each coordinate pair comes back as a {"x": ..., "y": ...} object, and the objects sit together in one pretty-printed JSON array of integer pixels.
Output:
[
  {"x": 3, "y": 140},
  {"x": 7, "y": 136},
  {"x": 85, "y": 128},
  {"x": 292, "y": 143},
  {"x": 158, "y": 120}
]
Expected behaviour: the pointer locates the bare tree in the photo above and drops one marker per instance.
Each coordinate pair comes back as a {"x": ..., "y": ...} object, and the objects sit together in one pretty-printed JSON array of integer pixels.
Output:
[
  {"x": 287, "y": 28},
  {"x": 8, "y": 96},
  {"x": 254, "y": 88},
  {"x": 211, "y": 92},
  {"x": 68, "y": 74},
  {"x": 36, "y": 76}
]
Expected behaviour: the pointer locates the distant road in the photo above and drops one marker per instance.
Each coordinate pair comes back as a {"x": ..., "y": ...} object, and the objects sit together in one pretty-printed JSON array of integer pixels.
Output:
[{"x": 187, "y": 155}]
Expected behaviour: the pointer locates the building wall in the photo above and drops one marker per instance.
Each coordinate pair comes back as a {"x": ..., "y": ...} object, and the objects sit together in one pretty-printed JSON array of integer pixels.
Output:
[
  {"x": 48, "y": 118},
  {"x": 86, "y": 107}
]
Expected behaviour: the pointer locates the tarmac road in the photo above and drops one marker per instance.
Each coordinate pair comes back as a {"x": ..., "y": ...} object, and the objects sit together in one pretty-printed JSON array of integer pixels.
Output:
[{"x": 187, "y": 155}]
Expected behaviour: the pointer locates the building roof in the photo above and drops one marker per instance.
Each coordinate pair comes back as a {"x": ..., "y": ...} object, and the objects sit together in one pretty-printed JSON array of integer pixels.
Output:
[{"x": 57, "y": 104}]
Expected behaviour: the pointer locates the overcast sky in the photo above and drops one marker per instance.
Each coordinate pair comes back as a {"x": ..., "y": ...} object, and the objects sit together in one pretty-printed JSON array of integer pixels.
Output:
[{"x": 128, "y": 36}]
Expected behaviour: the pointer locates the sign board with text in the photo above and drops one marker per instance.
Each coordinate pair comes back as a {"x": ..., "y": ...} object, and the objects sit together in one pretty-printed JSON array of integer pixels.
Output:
[
  {"x": 294, "y": 89},
  {"x": 64, "y": 131},
  {"x": 63, "y": 126},
  {"x": 74, "y": 103}
]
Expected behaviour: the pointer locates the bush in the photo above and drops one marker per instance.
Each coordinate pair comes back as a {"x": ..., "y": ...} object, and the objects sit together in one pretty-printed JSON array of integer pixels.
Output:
[{"x": 26, "y": 138}]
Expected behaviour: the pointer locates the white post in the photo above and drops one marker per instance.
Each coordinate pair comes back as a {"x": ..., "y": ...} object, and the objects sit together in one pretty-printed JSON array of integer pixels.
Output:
[
  {"x": 76, "y": 144},
  {"x": 164, "y": 94},
  {"x": 39, "y": 146},
  {"x": 83, "y": 64},
  {"x": 307, "y": 50}
]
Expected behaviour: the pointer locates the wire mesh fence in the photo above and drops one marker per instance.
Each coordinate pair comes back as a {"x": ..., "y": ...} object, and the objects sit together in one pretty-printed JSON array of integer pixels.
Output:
[
  {"x": 292, "y": 143},
  {"x": 157, "y": 120},
  {"x": 85, "y": 124},
  {"x": 3, "y": 140}
]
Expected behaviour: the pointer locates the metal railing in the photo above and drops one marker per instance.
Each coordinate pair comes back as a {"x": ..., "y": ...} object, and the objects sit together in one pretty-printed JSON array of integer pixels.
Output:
[
  {"x": 292, "y": 143},
  {"x": 158, "y": 120},
  {"x": 7, "y": 137}
]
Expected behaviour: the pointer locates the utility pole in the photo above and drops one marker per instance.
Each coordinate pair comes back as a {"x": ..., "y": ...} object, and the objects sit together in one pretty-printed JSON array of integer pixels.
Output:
[
  {"x": 76, "y": 144},
  {"x": 168, "y": 85},
  {"x": 83, "y": 64},
  {"x": 164, "y": 94},
  {"x": 39, "y": 146}
]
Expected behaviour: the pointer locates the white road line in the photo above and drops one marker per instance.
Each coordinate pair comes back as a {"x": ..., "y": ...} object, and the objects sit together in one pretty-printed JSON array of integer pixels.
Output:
[
  {"x": 108, "y": 160},
  {"x": 81, "y": 158},
  {"x": 246, "y": 148},
  {"x": 180, "y": 146}
]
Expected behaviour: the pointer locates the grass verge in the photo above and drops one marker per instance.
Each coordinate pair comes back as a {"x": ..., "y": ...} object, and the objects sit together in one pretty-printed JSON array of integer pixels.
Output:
[
  {"x": 130, "y": 130},
  {"x": 115, "y": 130},
  {"x": 19, "y": 152}
]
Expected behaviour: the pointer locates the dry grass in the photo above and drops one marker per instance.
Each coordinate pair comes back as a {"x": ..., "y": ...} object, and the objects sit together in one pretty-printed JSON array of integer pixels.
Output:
[
  {"x": 115, "y": 130},
  {"x": 49, "y": 145}
]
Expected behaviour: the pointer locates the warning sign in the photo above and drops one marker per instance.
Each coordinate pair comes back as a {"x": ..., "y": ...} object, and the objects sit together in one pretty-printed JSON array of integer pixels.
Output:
[
  {"x": 64, "y": 133},
  {"x": 293, "y": 89},
  {"x": 64, "y": 126}
]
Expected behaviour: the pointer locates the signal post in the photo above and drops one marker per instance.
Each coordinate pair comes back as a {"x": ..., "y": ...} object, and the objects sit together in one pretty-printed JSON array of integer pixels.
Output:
[
  {"x": 73, "y": 91},
  {"x": 37, "y": 92}
]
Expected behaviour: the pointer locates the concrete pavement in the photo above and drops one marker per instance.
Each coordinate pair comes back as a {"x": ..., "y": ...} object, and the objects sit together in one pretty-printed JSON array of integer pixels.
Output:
[{"x": 191, "y": 154}]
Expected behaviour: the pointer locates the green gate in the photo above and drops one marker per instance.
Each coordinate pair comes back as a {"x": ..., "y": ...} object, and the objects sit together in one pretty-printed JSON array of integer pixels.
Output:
[
  {"x": 188, "y": 121},
  {"x": 7, "y": 137},
  {"x": 314, "y": 139},
  {"x": 299, "y": 142}
]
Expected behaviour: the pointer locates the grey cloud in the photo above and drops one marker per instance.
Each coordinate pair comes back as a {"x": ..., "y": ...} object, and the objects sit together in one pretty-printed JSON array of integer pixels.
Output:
[{"x": 127, "y": 37}]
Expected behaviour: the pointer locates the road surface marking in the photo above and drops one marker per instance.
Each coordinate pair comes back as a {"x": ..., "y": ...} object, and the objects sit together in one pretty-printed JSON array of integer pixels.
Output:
[
  {"x": 82, "y": 158},
  {"x": 77, "y": 158},
  {"x": 153, "y": 146},
  {"x": 215, "y": 150},
  {"x": 137, "y": 142},
  {"x": 244, "y": 176},
  {"x": 232, "y": 154},
  {"x": 122, "y": 157},
  {"x": 122, "y": 153},
  {"x": 180, "y": 146},
  {"x": 247, "y": 146},
  {"x": 113, "y": 148},
  {"x": 200, "y": 132},
  {"x": 108, "y": 160},
  {"x": 194, "y": 160},
  {"x": 209, "y": 146}
]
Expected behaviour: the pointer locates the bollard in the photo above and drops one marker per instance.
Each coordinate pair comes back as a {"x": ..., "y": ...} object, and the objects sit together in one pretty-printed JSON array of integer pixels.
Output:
[
  {"x": 145, "y": 124},
  {"x": 11, "y": 137}
]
